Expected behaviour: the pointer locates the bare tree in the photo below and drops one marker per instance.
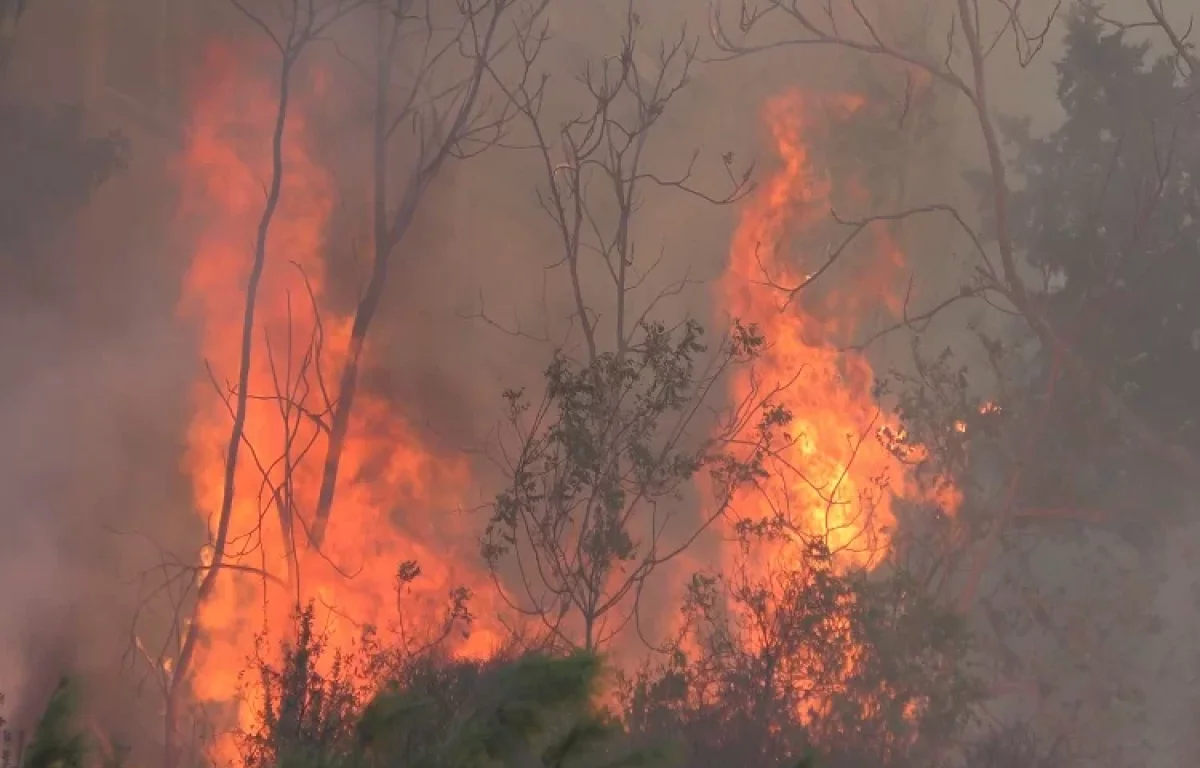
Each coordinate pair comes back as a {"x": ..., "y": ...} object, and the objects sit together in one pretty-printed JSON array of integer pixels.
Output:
[
  {"x": 598, "y": 462},
  {"x": 441, "y": 112},
  {"x": 303, "y": 23}
]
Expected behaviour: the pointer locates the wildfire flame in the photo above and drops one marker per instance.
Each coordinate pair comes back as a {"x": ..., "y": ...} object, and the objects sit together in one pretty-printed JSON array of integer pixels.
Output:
[
  {"x": 843, "y": 462},
  {"x": 835, "y": 478},
  {"x": 395, "y": 495},
  {"x": 844, "y": 459}
]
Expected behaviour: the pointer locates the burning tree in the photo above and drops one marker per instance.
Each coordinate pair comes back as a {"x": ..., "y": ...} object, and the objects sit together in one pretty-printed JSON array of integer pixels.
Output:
[
  {"x": 818, "y": 26},
  {"x": 814, "y": 625},
  {"x": 293, "y": 420},
  {"x": 807, "y": 466},
  {"x": 1098, "y": 220}
]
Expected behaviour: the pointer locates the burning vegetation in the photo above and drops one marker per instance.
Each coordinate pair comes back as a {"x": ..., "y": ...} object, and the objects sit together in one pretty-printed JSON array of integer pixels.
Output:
[
  {"x": 806, "y": 474},
  {"x": 743, "y": 534},
  {"x": 805, "y": 470},
  {"x": 369, "y": 553}
]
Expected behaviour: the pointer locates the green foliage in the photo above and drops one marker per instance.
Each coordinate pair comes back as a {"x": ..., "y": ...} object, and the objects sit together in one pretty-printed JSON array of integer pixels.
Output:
[
  {"x": 601, "y": 461},
  {"x": 1108, "y": 211},
  {"x": 308, "y": 715},
  {"x": 431, "y": 712},
  {"x": 536, "y": 703},
  {"x": 859, "y": 669},
  {"x": 597, "y": 416},
  {"x": 57, "y": 741}
]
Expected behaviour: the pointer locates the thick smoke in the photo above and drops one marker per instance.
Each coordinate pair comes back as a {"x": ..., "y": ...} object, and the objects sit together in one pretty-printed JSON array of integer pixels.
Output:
[
  {"x": 96, "y": 378},
  {"x": 39, "y": 576},
  {"x": 92, "y": 388}
]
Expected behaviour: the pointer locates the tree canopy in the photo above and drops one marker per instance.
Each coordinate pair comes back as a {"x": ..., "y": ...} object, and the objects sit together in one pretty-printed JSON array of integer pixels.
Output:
[{"x": 1107, "y": 212}]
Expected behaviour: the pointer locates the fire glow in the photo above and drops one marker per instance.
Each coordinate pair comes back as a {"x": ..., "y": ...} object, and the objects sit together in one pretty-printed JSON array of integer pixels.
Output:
[
  {"x": 396, "y": 499},
  {"x": 844, "y": 460},
  {"x": 834, "y": 479}
]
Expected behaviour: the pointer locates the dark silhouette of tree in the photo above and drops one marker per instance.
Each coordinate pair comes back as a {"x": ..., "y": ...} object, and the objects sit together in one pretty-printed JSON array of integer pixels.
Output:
[
  {"x": 1102, "y": 210},
  {"x": 1109, "y": 214}
]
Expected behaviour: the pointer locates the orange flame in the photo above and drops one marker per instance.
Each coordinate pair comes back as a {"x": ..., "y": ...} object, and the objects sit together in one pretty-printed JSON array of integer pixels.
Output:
[
  {"x": 395, "y": 498},
  {"x": 834, "y": 479},
  {"x": 845, "y": 460}
]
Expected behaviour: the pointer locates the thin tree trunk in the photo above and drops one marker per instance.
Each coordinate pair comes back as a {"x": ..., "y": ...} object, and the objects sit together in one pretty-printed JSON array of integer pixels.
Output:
[
  {"x": 388, "y": 230},
  {"x": 236, "y": 435},
  {"x": 369, "y": 304}
]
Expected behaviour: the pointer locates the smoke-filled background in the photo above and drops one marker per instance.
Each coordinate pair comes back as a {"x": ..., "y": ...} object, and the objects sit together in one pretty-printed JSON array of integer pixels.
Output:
[{"x": 104, "y": 359}]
